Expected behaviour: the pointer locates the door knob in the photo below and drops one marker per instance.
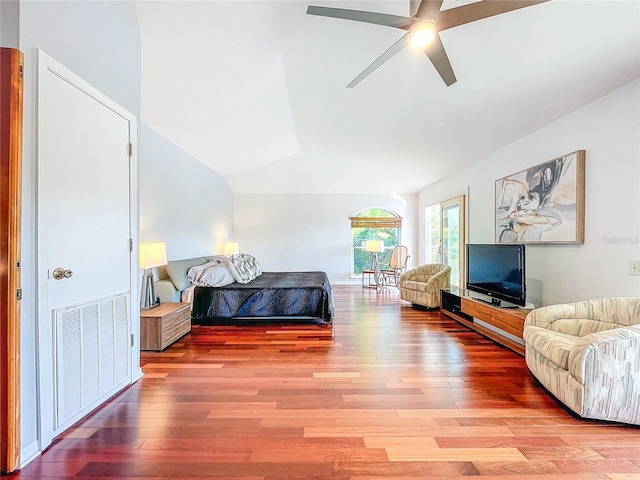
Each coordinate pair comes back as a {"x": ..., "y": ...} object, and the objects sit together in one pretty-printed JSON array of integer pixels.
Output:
[{"x": 61, "y": 273}]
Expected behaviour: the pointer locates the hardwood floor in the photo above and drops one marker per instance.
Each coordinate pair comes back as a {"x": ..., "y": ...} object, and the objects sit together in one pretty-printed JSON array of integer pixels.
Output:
[{"x": 396, "y": 393}]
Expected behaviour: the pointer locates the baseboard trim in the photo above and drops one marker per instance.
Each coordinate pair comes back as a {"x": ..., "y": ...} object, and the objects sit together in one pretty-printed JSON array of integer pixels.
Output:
[{"x": 29, "y": 453}]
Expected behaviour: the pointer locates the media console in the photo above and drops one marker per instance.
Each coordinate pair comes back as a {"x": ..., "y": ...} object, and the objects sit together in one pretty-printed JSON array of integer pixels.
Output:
[{"x": 502, "y": 325}]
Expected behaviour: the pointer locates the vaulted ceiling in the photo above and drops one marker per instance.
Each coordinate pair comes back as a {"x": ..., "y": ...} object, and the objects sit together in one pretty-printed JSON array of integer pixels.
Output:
[{"x": 256, "y": 89}]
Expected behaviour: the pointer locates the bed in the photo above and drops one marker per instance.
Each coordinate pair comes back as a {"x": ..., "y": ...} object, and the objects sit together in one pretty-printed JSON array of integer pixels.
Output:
[
  {"x": 228, "y": 290},
  {"x": 291, "y": 297}
]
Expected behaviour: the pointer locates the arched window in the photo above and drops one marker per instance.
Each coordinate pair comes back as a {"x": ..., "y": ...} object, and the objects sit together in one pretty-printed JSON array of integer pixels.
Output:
[{"x": 373, "y": 224}]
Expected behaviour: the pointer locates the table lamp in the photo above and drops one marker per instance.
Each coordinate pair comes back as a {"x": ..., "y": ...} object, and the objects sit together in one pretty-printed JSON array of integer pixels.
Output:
[
  {"x": 375, "y": 247},
  {"x": 231, "y": 248},
  {"x": 152, "y": 254}
]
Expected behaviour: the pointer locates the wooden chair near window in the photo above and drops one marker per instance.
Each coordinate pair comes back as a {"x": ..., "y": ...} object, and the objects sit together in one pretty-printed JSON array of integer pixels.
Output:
[{"x": 389, "y": 274}]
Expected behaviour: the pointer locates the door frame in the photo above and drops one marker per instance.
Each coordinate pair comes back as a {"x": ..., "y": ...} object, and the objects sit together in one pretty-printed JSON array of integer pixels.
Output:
[
  {"x": 44, "y": 326},
  {"x": 11, "y": 113},
  {"x": 443, "y": 201},
  {"x": 462, "y": 240}
]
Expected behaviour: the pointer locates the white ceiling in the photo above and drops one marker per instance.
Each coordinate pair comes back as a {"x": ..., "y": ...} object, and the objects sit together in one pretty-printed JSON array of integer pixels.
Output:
[{"x": 256, "y": 89}]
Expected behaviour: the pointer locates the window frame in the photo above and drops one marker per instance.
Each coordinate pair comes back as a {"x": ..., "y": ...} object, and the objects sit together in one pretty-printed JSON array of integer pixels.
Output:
[{"x": 391, "y": 220}]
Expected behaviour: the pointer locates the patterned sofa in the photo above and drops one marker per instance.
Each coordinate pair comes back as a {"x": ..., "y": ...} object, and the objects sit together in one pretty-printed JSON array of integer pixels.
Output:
[
  {"x": 587, "y": 354},
  {"x": 422, "y": 285}
]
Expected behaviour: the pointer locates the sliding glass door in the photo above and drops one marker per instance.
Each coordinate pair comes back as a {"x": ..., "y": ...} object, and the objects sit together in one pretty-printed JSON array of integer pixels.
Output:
[{"x": 445, "y": 234}]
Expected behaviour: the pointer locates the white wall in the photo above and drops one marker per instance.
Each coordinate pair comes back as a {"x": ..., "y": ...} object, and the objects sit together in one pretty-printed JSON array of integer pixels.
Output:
[
  {"x": 100, "y": 42},
  {"x": 609, "y": 130},
  {"x": 9, "y": 24},
  {"x": 312, "y": 232},
  {"x": 182, "y": 202}
]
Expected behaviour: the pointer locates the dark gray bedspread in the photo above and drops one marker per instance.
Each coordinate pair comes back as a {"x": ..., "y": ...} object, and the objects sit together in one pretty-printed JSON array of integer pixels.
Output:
[{"x": 272, "y": 294}]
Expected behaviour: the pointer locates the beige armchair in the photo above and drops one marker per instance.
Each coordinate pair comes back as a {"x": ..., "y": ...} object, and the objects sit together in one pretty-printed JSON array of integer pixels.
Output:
[
  {"x": 422, "y": 285},
  {"x": 587, "y": 354}
]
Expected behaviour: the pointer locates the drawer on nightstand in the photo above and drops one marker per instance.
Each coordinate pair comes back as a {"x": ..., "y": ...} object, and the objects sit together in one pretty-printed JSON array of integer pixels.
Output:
[
  {"x": 175, "y": 326},
  {"x": 163, "y": 325},
  {"x": 174, "y": 318}
]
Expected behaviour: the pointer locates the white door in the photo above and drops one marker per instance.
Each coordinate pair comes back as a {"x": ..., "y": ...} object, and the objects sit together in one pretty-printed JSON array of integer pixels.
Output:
[{"x": 85, "y": 238}]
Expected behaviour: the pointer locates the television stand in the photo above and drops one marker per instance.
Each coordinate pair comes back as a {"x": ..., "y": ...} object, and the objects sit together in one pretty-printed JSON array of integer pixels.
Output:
[
  {"x": 496, "y": 303},
  {"x": 500, "y": 324}
]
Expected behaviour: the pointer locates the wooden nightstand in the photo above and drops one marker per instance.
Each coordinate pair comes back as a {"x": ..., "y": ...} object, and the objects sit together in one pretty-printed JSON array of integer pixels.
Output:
[{"x": 163, "y": 325}]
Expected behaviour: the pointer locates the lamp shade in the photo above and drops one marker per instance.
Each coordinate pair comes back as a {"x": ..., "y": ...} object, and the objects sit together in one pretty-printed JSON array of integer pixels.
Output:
[
  {"x": 231, "y": 248},
  {"x": 152, "y": 254},
  {"x": 374, "y": 246}
]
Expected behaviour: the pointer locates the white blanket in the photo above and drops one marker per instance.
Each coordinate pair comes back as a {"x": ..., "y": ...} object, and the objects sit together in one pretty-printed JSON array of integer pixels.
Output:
[{"x": 223, "y": 270}]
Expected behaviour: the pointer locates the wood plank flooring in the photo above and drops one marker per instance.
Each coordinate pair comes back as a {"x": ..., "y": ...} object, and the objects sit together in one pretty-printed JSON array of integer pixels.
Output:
[{"x": 395, "y": 393}]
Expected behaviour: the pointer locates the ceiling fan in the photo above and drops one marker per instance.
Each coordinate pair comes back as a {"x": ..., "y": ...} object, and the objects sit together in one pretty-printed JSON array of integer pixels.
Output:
[{"x": 423, "y": 27}]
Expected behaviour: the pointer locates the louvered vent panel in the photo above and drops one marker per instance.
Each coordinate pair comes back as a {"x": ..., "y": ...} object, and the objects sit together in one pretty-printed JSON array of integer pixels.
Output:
[
  {"x": 107, "y": 338},
  {"x": 92, "y": 356},
  {"x": 122, "y": 347},
  {"x": 69, "y": 371}
]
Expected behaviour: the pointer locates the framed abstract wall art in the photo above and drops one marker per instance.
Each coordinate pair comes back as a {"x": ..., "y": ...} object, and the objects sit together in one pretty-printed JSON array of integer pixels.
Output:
[{"x": 544, "y": 203}]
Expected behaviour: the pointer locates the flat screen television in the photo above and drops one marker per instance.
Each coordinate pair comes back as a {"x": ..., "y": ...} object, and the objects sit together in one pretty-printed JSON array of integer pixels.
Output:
[{"x": 497, "y": 270}]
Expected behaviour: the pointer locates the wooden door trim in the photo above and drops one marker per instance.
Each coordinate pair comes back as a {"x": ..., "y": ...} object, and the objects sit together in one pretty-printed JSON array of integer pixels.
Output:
[
  {"x": 11, "y": 110},
  {"x": 462, "y": 200}
]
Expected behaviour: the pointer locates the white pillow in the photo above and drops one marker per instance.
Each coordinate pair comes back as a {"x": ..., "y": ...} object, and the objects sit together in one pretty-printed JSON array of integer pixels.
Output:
[
  {"x": 177, "y": 271},
  {"x": 217, "y": 276},
  {"x": 244, "y": 267},
  {"x": 211, "y": 275}
]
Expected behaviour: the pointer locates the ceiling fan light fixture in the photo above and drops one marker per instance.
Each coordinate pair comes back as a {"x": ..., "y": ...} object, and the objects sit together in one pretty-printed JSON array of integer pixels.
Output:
[{"x": 422, "y": 34}]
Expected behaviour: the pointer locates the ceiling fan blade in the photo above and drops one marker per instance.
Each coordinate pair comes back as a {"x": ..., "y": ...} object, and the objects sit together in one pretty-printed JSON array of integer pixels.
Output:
[
  {"x": 395, "y": 48},
  {"x": 360, "y": 16},
  {"x": 479, "y": 10},
  {"x": 429, "y": 9},
  {"x": 438, "y": 56}
]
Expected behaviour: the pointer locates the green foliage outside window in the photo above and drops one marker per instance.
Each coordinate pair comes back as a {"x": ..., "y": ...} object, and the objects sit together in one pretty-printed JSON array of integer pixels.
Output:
[
  {"x": 390, "y": 236},
  {"x": 432, "y": 214},
  {"x": 451, "y": 241}
]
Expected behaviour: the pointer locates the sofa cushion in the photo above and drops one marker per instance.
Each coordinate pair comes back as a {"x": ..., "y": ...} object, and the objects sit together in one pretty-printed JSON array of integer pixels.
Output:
[
  {"x": 421, "y": 278},
  {"x": 177, "y": 271},
  {"x": 417, "y": 286},
  {"x": 554, "y": 346},
  {"x": 580, "y": 327}
]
